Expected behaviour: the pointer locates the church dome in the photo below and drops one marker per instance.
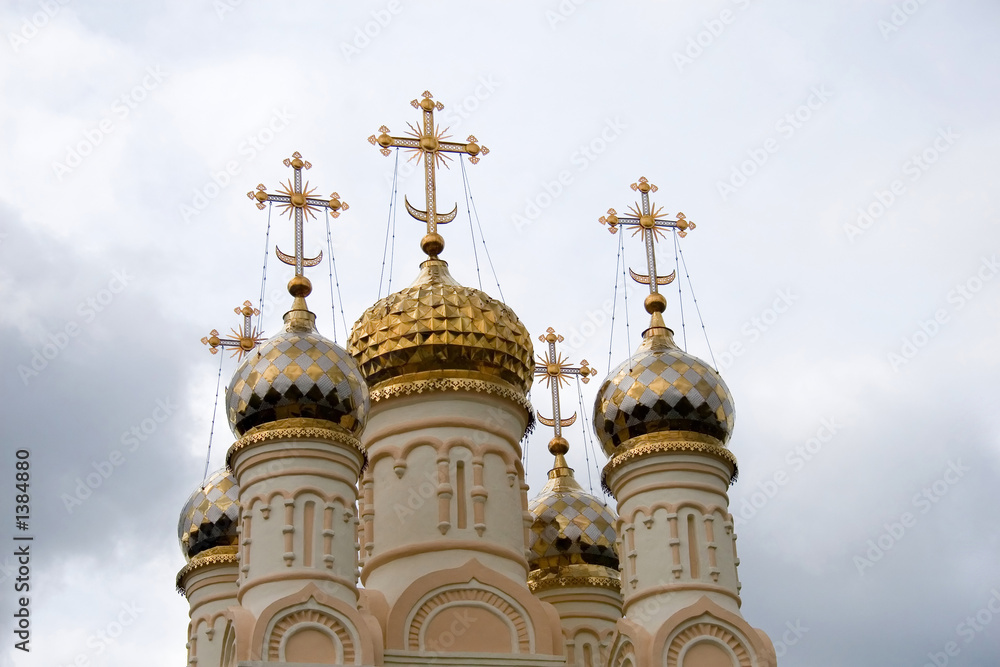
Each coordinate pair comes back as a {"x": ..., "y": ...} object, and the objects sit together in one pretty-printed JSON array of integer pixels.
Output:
[
  {"x": 662, "y": 388},
  {"x": 570, "y": 528},
  {"x": 438, "y": 328},
  {"x": 297, "y": 373},
  {"x": 211, "y": 516}
]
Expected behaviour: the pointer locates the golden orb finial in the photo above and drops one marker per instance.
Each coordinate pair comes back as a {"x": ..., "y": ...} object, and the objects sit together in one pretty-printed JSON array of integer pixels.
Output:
[
  {"x": 558, "y": 445},
  {"x": 432, "y": 244},
  {"x": 299, "y": 286}
]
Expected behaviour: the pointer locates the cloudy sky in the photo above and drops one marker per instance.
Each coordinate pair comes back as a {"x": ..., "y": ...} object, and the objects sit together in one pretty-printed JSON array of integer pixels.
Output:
[{"x": 838, "y": 159}]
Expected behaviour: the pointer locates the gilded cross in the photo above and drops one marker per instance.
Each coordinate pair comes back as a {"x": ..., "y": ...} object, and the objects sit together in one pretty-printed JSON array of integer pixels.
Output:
[
  {"x": 295, "y": 200},
  {"x": 648, "y": 221},
  {"x": 428, "y": 143},
  {"x": 554, "y": 369},
  {"x": 245, "y": 339}
]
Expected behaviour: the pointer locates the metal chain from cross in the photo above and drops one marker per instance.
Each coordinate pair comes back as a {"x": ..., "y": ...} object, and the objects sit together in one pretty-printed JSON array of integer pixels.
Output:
[
  {"x": 245, "y": 340},
  {"x": 429, "y": 144},
  {"x": 648, "y": 221},
  {"x": 295, "y": 200},
  {"x": 555, "y": 370}
]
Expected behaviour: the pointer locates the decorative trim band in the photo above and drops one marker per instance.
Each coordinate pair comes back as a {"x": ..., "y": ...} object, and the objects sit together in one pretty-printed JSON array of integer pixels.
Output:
[
  {"x": 296, "y": 429},
  {"x": 396, "y": 388},
  {"x": 651, "y": 444},
  {"x": 214, "y": 556},
  {"x": 572, "y": 582},
  {"x": 404, "y": 388}
]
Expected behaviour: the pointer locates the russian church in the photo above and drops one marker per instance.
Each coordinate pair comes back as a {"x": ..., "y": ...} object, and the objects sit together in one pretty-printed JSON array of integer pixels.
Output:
[{"x": 373, "y": 509}]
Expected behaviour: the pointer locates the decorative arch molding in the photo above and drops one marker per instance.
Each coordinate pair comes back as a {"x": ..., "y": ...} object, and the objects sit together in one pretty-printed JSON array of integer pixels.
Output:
[
  {"x": 698, "y": 633},
  {"x": 401, "y": 454},
  {"x": 648, "y": 511},
  {"x": 358, "y": 635},
  {"x": 311, "y": 618},
  {"x": 623, "y": 654},
  {"x": 707, "y": 621},
  {"x": 511, "y": 616},
  {"x": 541, "y": 621},
  {"x": 629, "y": 645},
  {"x": 229, "y": 658}
]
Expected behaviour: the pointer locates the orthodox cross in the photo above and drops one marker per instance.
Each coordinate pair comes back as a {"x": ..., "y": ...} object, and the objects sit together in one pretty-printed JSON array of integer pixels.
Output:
[
  {"x": 245, "y": 340},
  {"x": 647, "y": 219},
  {"x": 555, "y": 370},
  {"x": 429, "y": 144},
  {"x": 294, "y": 200}
]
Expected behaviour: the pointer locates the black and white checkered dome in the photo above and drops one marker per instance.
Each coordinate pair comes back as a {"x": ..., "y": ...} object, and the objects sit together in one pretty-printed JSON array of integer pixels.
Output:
[
  {"x": 211, "y": 515},
  {"x": 662, "y": 388},
  {"x": 570, "y": 526},
  {"x": 297, "y": 374}
]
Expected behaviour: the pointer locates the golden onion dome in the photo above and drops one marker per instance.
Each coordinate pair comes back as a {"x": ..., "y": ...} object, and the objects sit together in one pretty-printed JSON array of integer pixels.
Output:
[
  {"x": 572, "y": 532},
  {"x": 210, "y": 516},
  {"x": 298, "y": 373},
  {"x": 437, "y": 328},
  {"x": 662, "y": 388}
]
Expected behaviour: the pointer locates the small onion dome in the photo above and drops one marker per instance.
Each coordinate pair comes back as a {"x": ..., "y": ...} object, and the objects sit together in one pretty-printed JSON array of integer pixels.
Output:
[
  {"x": 662, "y": 388},
  {"x": 211, "y": 515},
  {"x": 570, "y": 528},
  {"x": 437, "y": 328},
  {"x": 297, "y": 373}
]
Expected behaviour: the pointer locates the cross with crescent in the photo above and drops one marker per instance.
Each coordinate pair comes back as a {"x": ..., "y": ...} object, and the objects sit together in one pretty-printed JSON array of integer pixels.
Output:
[
  {"x": 294, "y": 200},
  {"x": 244, "y": 340},
  {"x": 429, "y": 144},
  {"x": 648, "y": 221},
  {"x": 554, "y": 369}
]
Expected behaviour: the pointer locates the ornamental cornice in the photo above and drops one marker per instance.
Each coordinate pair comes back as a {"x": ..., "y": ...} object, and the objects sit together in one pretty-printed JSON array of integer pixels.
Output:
[
  {"x": 403, "y": 387},
  {"x": 550, "y": 583},
  {"x": 295, "y": 429},
  {"x": 656, "y": 443},
  {"x": 226, "y": 555}
]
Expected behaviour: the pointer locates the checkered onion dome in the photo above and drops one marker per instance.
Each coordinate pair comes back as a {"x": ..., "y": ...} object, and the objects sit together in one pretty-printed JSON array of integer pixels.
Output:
[
  {"x": 662, "y": 388},
  {"x": 297, "y": 374},
  {"x": 211, "y": 515},
  {"x": 437, "y": 325},
  {"x": 570, "y": 526}
]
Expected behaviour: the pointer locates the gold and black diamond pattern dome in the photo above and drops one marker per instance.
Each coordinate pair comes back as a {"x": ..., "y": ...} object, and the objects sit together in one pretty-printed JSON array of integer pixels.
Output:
[
  {"x": 297, "y": 374},
  {"x": 211, "y": 515},
  {"x": 570, "y": 527},
  {"x": 662, "y": 389},
  {"x": 439, "y": 326}
]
